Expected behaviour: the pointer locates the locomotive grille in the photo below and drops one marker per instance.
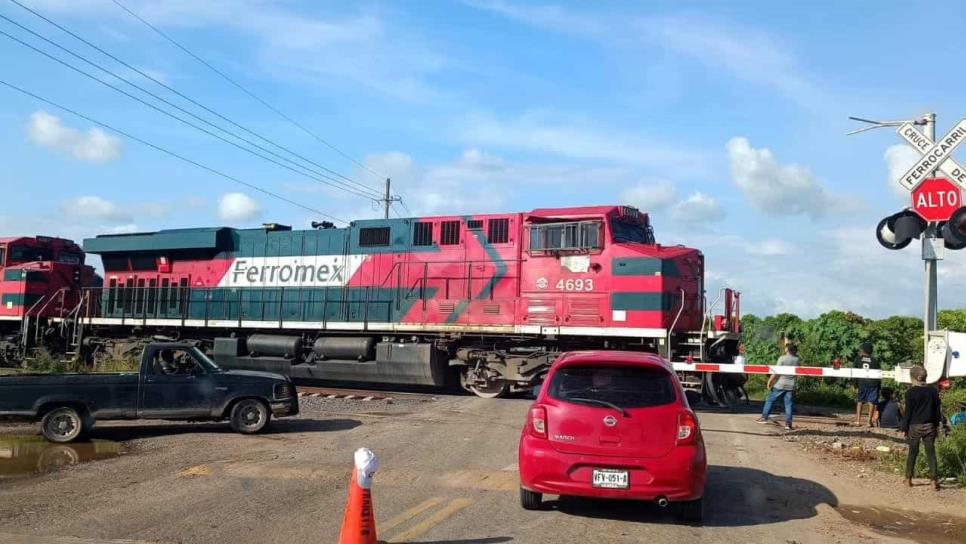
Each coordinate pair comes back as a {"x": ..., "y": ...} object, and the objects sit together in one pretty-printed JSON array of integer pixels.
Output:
[{"x": 584, "y": 311}]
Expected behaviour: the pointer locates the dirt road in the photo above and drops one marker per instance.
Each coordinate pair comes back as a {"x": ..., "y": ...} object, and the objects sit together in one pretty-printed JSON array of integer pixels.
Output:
[{"x": 448, "y": 475}]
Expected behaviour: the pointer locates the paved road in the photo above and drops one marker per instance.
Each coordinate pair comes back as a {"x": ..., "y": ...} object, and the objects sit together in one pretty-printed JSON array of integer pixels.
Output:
[{"x": 448, "y": 476}]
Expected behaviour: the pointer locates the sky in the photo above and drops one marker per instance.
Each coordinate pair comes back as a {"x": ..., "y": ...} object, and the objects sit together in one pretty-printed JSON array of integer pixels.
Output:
[{"x": 725, "y": 121}]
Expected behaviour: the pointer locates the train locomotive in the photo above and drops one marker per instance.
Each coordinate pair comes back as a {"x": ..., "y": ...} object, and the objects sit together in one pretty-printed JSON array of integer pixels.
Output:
[
  {"x": 41, "y": 278},
  {"x": 485, "y": 301}
]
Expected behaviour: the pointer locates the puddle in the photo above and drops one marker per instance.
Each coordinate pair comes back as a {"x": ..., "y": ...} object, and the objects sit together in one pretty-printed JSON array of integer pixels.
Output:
[
  {"x": 915, "y": 526},
  {"x": 26, "y": 455}
]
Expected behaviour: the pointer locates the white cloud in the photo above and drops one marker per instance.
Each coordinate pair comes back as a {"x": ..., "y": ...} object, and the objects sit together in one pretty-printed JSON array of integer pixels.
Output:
[
  {"x": 697, "y": 209},
  {"x": 94, "y": 208},
  {"x": 769, "y": 247},
  {"x": 238, "y": 207},
  {"x": 780, "y": 189},
  {"x": 899, "y": 159},
  {"x": 746, "y": 53},
  {"x": 650, "y": 197},
  {"x": 533, "y": 132},
  {"x": 94, "y": 145}
]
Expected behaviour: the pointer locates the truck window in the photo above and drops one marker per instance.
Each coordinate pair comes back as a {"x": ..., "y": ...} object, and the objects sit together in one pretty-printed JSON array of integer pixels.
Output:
[{"x": 175, "y": 362}]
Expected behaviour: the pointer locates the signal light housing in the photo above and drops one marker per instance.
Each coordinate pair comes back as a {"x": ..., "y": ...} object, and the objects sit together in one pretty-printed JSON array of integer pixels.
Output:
[
  {"x": 898, "y": 230},
  {"x": 953, "y": 231}
]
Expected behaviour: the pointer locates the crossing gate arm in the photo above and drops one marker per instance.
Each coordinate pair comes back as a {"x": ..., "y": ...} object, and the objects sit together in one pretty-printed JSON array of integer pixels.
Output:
[{"x": 820, "y": 371}]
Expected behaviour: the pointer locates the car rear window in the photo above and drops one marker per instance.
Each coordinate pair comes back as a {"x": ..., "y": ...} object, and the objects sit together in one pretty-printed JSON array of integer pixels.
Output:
[{"x": 625, "y": 386}]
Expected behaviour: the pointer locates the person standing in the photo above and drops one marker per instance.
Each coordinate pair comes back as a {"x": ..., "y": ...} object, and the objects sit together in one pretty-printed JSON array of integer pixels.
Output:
[
  {"x": 784, "y": 387},
  {"x": 866, "y": 389},
  {"x": 921, "y": 422}
]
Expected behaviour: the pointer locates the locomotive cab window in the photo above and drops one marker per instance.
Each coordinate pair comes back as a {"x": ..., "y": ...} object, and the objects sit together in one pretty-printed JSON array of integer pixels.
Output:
[
  {"x": 624, "y": 232},
  {"x": 577, "y": 235},
  {"x": 374, "y": 237},
  {"x": 3, "y": 253},
  {"x": 24, "y": 254},
  {"x": 449, "y": 233},
  {"x": 69, "y": 257}
]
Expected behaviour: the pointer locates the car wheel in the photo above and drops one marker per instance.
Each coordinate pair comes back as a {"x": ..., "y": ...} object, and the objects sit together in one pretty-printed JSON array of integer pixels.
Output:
[
  {"x": 531, "y": 500},
  {"x": 249, "y": 416},
  {"x": 62, "y": 425},
  {"x": 690, "y": 511}
]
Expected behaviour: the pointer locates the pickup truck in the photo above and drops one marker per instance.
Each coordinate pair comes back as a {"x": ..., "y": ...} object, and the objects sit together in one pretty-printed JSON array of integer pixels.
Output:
[{"x": 176, "y": 381}]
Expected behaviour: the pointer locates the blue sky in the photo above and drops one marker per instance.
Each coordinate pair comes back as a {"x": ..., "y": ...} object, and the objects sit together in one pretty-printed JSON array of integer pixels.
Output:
[{"x": 725, "y": 121}]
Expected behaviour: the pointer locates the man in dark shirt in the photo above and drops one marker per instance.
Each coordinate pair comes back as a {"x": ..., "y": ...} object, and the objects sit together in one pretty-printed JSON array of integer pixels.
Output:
[
  {"x": 921, "y": 422},
  {"x": 866, "y": 389},
  {"x": 888, "y": 413}
]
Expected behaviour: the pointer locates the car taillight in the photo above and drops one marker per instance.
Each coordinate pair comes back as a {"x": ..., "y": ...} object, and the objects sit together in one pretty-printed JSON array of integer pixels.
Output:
[
  {"x": 687, "y": 428},
  {"x": 538, "y": 421}
]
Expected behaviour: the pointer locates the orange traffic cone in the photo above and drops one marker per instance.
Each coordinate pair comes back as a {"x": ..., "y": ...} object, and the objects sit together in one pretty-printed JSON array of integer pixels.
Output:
[{"x": 359, "y": 523}]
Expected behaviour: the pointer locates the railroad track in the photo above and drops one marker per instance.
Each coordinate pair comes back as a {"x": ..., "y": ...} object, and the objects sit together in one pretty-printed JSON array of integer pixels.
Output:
[{"x": 359, "y": 394}]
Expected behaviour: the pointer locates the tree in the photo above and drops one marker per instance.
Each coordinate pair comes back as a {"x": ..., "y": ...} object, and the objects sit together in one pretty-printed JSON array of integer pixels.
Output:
[
  {"x": 833, "y": 335},
  {"x": 897, "y": 339},
  {"x": 954, "y": 320}
]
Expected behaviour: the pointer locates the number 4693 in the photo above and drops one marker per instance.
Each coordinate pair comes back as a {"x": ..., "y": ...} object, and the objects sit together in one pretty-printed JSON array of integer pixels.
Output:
[{"x": 575, "y": 285}]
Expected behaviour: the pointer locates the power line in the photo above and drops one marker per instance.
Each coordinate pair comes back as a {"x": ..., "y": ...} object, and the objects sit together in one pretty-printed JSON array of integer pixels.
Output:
[
  {"x": 175, "y": 91},
  {"x": 166, "y": 151},
  {"x": 245, "y": 90},
  {"x": 334, "y": 182},
  {"x": 173, "y": 116}
]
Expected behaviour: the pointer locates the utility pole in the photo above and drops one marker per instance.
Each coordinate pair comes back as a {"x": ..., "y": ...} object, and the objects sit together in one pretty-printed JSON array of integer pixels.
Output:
[
  {"x": 388, "y": 199},
  {"x": 931, "y": 252}
]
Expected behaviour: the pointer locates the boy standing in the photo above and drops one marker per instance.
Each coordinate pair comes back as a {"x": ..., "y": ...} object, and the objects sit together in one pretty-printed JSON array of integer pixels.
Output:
[{"x": 866, "y": 389}]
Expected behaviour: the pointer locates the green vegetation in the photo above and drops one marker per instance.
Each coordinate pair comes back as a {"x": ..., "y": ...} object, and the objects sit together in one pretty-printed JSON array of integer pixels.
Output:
[
  {"x": 42, "y": 362},
  {"x": 837, "y": 335}
]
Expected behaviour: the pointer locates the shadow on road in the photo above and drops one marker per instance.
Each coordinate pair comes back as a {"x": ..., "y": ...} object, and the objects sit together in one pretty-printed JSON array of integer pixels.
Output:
[
  {"x": 491, "y": 539},
  {"x": 281, "y": 426},
  {"x": 733, "y": 497}
]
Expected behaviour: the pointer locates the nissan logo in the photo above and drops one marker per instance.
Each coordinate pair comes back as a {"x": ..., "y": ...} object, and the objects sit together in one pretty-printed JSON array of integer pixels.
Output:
[{"x": 610, "y": 421}]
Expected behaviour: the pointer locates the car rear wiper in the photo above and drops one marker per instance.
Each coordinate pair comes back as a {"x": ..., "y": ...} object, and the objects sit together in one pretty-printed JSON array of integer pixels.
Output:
[{"x": 623, "y": 411}]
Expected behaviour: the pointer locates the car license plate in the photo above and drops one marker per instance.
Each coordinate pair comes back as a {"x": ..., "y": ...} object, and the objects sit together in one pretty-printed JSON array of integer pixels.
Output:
[{"x": 611, "y": 478}]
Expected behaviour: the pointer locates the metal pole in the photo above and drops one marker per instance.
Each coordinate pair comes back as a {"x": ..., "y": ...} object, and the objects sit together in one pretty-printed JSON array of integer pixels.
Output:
[
  {"x": 388, "y": 199},
  {"x": 929, "y": 258}
]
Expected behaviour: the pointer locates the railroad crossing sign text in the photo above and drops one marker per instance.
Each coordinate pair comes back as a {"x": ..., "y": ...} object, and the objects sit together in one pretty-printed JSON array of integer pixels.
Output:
[{"x": 934, "y": 155}]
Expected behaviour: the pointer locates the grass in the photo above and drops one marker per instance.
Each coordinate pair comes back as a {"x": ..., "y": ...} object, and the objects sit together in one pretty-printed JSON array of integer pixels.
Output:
[{"x": 44, "y": 363}]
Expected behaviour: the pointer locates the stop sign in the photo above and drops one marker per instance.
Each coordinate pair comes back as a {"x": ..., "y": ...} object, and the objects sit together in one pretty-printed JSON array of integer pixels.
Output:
[{"x": 935, "y": 199}]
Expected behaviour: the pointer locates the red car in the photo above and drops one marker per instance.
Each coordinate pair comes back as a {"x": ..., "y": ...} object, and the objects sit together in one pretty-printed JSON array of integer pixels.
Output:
[{"x": 613, "y": 424}]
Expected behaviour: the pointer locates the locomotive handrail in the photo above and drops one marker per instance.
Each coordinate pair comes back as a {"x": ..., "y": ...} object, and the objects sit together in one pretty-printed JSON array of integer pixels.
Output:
[{"x": 674, "y": 323}]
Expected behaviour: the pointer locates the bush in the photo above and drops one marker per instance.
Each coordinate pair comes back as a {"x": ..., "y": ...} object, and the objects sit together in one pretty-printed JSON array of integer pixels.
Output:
[{"x": 950, "y": 457}]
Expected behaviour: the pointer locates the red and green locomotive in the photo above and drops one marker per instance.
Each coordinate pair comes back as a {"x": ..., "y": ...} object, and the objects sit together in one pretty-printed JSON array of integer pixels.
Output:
[
  {"x": 486, "y": 299},
  {"x": 40, "y": 278}
]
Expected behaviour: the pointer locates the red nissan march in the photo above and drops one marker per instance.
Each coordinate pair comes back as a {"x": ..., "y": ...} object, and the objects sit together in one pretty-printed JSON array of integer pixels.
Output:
[{"x": 613, "y": 424}]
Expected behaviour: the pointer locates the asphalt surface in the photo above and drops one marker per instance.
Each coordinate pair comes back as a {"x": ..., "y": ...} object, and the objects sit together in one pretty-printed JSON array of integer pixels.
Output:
[{"x": 447, "y": 476}]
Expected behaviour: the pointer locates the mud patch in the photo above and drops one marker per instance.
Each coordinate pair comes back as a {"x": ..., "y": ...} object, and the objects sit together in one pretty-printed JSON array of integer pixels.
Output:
[
  {"x": 27, "y": 455},
  {"x": 915, "y": 526}
]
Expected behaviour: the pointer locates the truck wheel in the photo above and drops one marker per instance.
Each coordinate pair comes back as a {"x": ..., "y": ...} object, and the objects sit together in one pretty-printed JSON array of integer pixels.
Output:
[
  {"x": 690, "y": 511},
  {"x": 531, "y": 500},
  {"x": 249, "y": 416},
  {"x": 62, "y": 425}
]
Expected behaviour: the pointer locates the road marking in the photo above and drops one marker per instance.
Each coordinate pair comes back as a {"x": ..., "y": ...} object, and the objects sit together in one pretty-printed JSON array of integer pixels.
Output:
[
  {"x": 408, "y": 515},
  {"x": 199, "y": 470},
  {"x": 424, "y": 526}
]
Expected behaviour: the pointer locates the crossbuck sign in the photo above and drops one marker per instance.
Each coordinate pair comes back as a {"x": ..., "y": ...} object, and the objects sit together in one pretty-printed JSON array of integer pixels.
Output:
[{"x": 934, "y": 154}]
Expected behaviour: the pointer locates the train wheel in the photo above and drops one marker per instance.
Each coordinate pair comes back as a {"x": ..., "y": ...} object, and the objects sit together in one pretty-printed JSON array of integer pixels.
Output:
[
  {"x": 492, "y": 390},
  {"x": 484, "y": 384}
]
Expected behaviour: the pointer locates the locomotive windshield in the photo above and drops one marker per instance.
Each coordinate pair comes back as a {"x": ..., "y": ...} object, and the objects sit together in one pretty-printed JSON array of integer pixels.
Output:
[
  {"x": 624, "y": 232},
  {"x": 570, "y": 235},
  {"x": 24, "y": 254}
]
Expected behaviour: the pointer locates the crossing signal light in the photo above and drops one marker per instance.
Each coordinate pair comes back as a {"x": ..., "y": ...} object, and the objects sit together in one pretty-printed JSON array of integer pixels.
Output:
[
  {"x": 898, "y": 230},
  {"x": 953, "y": 232}
]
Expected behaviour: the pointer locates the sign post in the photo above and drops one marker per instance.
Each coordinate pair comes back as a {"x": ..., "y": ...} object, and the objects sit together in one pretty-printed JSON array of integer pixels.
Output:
[{"x": 934, "y": 199}]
